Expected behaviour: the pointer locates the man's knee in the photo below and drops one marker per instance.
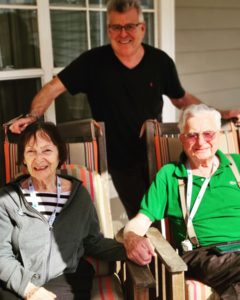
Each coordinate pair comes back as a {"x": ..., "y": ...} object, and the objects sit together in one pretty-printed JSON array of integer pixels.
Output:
[{"x": 232, "y": 292}]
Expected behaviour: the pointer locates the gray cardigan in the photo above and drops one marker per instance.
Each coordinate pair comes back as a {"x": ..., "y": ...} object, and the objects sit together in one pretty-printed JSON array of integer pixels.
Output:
[{"x": 30, "y": 251}]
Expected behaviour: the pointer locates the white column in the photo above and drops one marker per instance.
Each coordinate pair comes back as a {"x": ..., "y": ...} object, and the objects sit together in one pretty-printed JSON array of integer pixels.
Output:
[
  {"x": 166, "y": 25},
  {"x": 46, "y": 50}
]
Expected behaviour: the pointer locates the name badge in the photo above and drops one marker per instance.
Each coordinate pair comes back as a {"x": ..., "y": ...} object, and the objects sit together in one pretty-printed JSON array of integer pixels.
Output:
[{"x": 186, "y": 245}]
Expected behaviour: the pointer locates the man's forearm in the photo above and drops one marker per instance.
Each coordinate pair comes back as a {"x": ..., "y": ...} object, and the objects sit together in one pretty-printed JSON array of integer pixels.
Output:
[
  {"x": 186, "y": 100},
  {"x": 230, "y": 114},
  {"x": 189, "y": 99},
  {"x": 45, "y": 97}
]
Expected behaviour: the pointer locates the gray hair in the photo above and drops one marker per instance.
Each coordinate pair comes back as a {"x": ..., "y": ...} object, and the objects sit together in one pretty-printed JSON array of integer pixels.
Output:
[
  {"x": 122, "y": 6},
  {"x": 194, "y": 110}
]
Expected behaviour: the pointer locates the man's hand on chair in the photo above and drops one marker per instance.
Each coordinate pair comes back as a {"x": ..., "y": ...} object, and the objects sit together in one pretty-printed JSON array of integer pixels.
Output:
[
  {"x": 20, "y": 124},
  {"x": 139, "y": 249},
  {"x": 233, "y": 114}
]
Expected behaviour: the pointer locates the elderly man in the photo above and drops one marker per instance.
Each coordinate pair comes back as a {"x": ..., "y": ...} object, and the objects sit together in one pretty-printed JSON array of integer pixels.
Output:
[
  {"x": 124, "y": 82},
  {"x": 212, "y": 205}
]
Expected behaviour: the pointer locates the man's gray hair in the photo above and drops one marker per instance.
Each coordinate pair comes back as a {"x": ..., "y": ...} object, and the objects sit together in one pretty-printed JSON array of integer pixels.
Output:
[
  {"x": 122, "y": 6},
  {"x": 195, "y": 110}
]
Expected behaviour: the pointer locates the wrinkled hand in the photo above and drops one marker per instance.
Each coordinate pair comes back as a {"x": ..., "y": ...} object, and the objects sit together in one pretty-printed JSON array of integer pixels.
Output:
[
  {"x": 19, "y": 125},
  {"x": 42, "y": 294},
  {"x": 237, "y": 120},
  {"x": 233, "y": 114},
  {"x": 236, "y": 117},
  {"x": 139, "y": 249},
  {"x": 34, "y": 292}
]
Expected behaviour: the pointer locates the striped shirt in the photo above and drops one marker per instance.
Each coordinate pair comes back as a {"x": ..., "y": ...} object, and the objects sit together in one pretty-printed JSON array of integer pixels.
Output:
[{"x": 47, "y": 202}]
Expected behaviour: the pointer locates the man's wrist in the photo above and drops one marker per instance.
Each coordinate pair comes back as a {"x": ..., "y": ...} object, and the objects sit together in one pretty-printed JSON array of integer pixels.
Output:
[
  {"x": 129, "y": 236},
  {"x": 32, "y": 115}
]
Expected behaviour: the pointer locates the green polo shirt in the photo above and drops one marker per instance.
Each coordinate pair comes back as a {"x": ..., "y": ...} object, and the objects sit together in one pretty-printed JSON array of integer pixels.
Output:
[{"x": 218, "y": 216}]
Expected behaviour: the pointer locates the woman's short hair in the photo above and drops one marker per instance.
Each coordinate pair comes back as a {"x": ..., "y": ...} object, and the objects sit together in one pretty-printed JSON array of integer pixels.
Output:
[
  {"x": 49, "y": 130},
  {"x": 195, "y": 110},
  {"x": 122, "y": 6}
]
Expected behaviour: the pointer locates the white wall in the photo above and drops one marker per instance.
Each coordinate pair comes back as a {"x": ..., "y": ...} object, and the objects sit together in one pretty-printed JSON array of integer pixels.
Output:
[
  {"x": 208, "y": 50},
  {"x": 166, "y": 41}
]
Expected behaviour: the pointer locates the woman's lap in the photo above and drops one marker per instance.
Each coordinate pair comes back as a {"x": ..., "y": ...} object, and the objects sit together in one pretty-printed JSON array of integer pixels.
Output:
[
  {"x": 70, "y": 286},
  {"x": 7, "y": 295},
  {"x": 73, "y": 286}
]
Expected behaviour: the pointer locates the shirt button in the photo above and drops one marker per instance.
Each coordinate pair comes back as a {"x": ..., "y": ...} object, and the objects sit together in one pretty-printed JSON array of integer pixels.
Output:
[
  {"x": 20, "y": 212},
  {"x": 36, "y": 276}
]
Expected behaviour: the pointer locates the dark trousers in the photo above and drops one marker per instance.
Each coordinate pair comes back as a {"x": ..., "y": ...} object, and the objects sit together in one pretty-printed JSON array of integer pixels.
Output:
[
  {"x": 131, "y": 183},
  {"x": 221, "y": 272},
  {"x": 70, "y": 286}
]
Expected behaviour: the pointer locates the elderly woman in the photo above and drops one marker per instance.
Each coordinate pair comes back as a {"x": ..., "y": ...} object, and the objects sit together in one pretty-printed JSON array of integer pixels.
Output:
[
  {"x": 47, "y": 224},
  {"x": 212, "y": 205}
]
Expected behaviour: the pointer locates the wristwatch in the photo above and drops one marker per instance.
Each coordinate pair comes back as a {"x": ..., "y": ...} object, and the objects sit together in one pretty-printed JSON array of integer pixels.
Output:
[{"x": 32, "y": 115}]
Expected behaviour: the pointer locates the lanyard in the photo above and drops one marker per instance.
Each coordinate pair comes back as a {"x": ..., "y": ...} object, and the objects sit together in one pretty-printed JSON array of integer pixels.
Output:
[
  {"x": 200, "y": 194},
  {"x": 33, "y": 195}
]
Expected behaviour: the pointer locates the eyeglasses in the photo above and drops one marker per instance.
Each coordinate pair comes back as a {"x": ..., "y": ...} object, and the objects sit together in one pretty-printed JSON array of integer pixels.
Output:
[
  {"x": 117, "y": 28},
  {"x": 193, "y": 136}
]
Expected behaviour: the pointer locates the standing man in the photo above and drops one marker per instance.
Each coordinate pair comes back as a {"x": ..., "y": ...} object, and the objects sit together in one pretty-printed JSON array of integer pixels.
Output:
[{"x": 124, "y": 82}]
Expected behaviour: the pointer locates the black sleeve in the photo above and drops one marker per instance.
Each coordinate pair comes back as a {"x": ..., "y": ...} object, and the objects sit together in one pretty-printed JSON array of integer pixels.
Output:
[
  {"x": 76, "y": 76},
  {"x": 97, "y": 246}
]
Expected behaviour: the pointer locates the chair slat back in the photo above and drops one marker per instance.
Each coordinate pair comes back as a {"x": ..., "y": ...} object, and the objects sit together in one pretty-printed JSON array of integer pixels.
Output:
[
  {"x": 86, "y": 137},
  {"x": 10, "y": 156}
]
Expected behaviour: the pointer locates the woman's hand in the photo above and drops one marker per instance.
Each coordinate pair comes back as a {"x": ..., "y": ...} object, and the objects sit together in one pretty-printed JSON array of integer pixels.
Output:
[
  {"x": 42, "y": 294},
  {"x": 34, "y": 292}
]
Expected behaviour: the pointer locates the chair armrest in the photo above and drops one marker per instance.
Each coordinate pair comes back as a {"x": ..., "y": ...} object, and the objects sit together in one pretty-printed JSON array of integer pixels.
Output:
[
  {"x": 119, "y": 235},
  {"x": 141, "y": 275},
  {"x": 169, "y": 257}
]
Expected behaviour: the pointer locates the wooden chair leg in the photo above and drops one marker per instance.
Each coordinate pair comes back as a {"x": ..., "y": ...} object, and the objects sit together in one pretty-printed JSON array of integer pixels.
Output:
[
  {"x": 139, "y": 285},
  {"x": 141, "y": 293},
  {"x": 162, "y": 281},
  {"x": 177, "y": 286}
]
